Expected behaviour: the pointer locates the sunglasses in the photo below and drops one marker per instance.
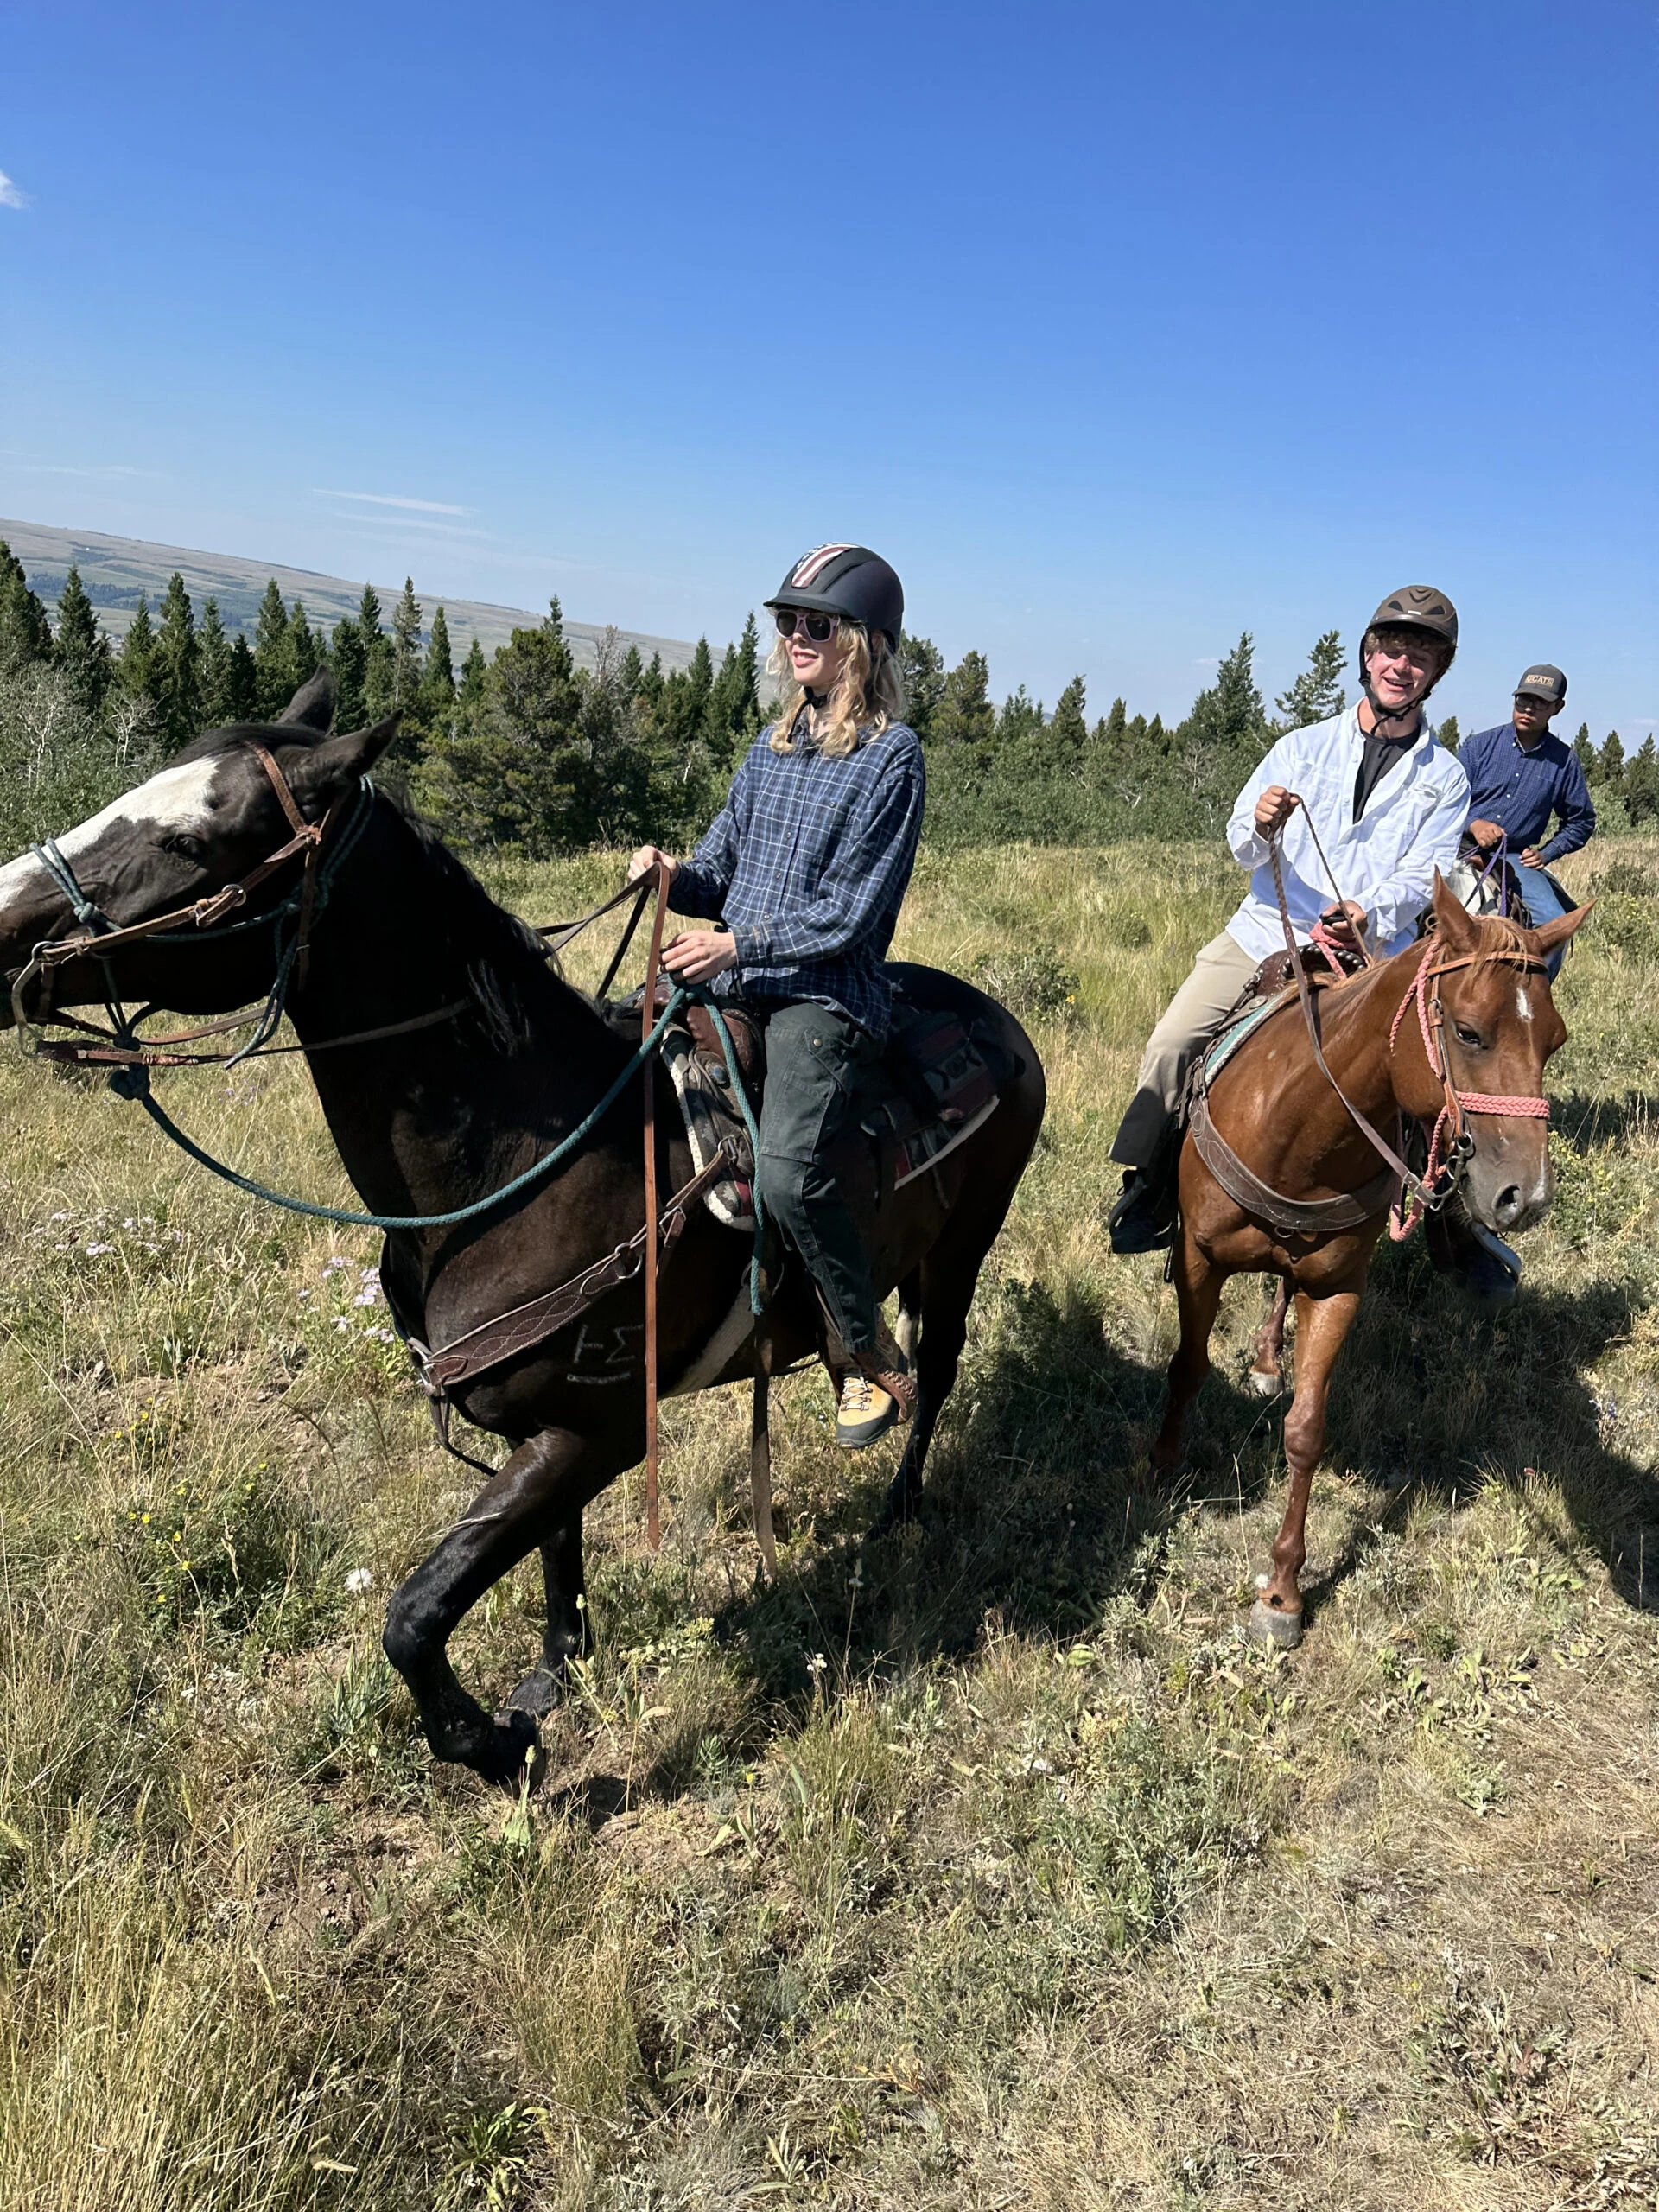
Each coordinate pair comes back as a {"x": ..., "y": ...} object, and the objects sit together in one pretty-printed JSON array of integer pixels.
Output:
[{"x": 820, "y": 628}]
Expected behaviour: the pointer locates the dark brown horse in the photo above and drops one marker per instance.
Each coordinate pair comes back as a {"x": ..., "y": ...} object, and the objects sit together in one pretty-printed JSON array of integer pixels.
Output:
[
  {"x": 1475, "y": 992},
  {"x": 432, "y": 1120}
]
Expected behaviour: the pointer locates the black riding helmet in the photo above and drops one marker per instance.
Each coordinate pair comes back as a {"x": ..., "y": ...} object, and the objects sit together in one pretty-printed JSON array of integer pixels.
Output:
[{"x": 848, "y": 580}]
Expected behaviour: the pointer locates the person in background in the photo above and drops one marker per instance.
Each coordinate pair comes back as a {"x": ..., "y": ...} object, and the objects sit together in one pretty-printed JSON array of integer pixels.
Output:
[{"x": 1520, "y": 774}]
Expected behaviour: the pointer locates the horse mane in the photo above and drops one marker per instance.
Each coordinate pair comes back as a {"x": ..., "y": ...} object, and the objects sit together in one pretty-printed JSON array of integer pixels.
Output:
[
  {"x": 496, "y": 947},
  {"x": 1498, "y": 936}
]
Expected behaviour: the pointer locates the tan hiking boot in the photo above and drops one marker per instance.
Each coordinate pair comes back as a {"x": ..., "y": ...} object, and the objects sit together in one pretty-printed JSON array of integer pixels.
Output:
[
  {"x": 885, "y": 1372},
  {"x": 866, "y": 1412}
]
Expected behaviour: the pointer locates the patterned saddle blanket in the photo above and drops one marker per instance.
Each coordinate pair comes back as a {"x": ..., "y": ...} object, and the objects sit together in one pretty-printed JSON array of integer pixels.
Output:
[{"x": 939, "y": 1082}]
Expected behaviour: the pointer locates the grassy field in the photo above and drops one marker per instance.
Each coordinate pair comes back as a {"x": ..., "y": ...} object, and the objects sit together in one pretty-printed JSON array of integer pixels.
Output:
[{"x": 983, "y": 1868}]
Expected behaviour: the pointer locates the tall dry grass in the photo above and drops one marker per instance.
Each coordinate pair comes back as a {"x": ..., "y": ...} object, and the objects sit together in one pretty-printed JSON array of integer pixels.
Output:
[{"x": 981, "y": 1868}]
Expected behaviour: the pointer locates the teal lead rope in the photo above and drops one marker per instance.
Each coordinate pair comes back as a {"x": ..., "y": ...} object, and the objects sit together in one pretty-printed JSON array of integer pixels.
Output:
[{"x": 133, "y": 1083}]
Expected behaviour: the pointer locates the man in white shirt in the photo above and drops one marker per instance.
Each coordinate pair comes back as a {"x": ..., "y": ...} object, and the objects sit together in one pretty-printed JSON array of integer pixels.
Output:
[{"x": 1389, "y": 804}]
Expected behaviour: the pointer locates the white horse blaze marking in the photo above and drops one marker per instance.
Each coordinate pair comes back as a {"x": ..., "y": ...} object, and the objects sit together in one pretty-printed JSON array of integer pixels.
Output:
[
  {"x": 174, "y": 799},
  {"x": 1523, "y": 1003}
]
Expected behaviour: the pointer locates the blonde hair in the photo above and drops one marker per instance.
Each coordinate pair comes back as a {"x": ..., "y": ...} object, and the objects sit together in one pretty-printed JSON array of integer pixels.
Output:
[{"x": 868, "y": 694}]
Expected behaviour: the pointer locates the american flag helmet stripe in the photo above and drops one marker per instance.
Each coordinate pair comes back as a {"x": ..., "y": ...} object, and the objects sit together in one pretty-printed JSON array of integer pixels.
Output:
[{"x": 813, "y": 564}]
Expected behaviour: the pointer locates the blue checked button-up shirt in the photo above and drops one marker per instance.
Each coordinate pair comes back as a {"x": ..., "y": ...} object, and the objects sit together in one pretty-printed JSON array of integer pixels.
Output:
[
  {"x": 808, "y": 862},
  {"x": 1519, "y": 791}
]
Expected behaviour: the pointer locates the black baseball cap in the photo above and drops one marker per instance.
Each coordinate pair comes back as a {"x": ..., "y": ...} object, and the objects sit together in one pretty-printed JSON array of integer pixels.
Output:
[{"x": 1544, "y": 682}]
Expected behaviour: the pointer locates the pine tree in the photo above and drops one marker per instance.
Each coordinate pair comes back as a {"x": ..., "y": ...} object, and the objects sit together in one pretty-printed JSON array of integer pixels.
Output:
[
  {"x": 406, "y": 648},
  {"x": 81, "y": 648},
  {"x": 270, "y": 654},
  {"x": 685, "y": 702},
  {"x": 519, "y": 776},
  {"x": 471, "y": 690},
  {"x": 245, "y": 681},
  {"x": 136, "y": 664},
  {"x": 731, "y": 720},
  {"x": 1068, "y": 729},
  {"x": 25, "y": 634},
  {"x": 214, "y": 663},
  {"x": 964, "y": 715},
  {"x": 921, "y": 667},
  {"x": 1584, "y": 752},
  {"x": 1609, "y": 761},
  {"x": 306, "y": 649},
  {"x": 1642, "y": 784},
  {"x": 1317, "y": 695},
  {"x": 437, "y": 681},
  {"x": 633, "y": 671},
  {"x": 351, "y": 666},
  {"x": 438, "y": 675},
  {"x": 173, "y": 679},
  {"x": 1448, "y": 733},
  {"x": 651, "y": 683},
  {"x": 378, "y": 678}
]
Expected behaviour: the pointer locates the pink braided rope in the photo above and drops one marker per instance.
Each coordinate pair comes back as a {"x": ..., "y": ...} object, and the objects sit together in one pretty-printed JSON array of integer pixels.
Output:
[{"x": 1404, "y": 1216}]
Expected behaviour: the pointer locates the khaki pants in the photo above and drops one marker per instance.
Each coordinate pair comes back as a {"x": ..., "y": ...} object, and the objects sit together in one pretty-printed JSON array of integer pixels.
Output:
[{"x": 1190, "y": 1021}]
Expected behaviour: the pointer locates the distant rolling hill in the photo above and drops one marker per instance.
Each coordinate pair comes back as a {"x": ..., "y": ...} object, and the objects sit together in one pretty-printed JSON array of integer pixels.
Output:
[{"x": 115, "y": 570}]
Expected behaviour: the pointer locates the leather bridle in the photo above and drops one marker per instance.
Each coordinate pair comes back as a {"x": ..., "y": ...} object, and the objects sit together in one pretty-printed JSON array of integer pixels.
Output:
[{"x": 100, "y": 936}]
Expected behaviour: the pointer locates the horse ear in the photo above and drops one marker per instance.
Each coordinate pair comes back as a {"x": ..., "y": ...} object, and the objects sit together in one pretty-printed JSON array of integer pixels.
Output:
[
  {"x": 1559, "y": 931},
  {"x": 334, "y": 764},
  {"x": 312, "y": 706},
  {"x": 1452, "y": 924}
]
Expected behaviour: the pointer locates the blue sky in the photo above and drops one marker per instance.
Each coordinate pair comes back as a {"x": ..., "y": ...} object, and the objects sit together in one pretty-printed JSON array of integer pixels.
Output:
[{"x": 1118, "y": 329}]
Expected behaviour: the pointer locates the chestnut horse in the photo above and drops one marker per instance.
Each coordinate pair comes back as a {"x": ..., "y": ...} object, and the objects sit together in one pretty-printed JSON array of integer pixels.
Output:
[{"x": 1472, "y": 994}]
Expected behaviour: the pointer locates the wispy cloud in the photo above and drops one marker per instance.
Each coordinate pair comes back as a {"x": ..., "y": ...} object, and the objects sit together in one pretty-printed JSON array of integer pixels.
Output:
[
  {"x": 386, "y": 499},
  {"x": 399, "y": 526},
  {"x": 66, "y": 468},
  {"x": 9, "y": 194}
]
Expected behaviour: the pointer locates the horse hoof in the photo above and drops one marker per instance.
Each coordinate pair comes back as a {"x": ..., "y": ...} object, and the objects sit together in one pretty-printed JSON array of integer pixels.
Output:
[
  {"x": 540, "y": 1694},
  {"x": 508, "y": 1751},
  {"x": 1266, "y": 1385},
  {"x": 1272, "y": 1628}
]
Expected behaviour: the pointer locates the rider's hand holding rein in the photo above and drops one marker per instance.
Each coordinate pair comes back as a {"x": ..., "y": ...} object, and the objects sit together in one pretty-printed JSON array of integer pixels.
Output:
[
  {"x": 1273, "y": 808},
  {"x": 650, "y": 856},
  {"x": 697, "y": 955}
]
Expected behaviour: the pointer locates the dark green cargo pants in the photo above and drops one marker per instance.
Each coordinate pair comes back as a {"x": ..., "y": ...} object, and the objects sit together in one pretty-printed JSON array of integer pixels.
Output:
[{"x": 820, "y": 1069}]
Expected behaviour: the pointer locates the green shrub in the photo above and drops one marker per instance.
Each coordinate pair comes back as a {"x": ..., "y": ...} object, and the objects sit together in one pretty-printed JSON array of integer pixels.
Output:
[{"x": 1031, "y": 981}]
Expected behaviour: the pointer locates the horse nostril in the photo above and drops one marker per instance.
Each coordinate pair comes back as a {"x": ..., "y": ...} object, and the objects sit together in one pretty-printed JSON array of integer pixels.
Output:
[{"x": 1509, "y": 1204}]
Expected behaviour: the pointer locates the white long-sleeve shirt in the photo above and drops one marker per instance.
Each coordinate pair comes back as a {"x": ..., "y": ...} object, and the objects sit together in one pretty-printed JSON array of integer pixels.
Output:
[{"x": 1385, "y": 861}]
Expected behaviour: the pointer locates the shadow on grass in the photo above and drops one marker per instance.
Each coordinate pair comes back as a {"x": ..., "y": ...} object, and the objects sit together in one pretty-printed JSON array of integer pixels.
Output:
[
  {"x": 1039, "y": 1509},
  {"x": 1589, "y": 1122}
]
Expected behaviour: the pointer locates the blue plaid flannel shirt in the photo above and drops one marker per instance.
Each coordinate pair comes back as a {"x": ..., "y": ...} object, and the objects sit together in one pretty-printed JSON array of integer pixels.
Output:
[{"x": 808, "y": 862}]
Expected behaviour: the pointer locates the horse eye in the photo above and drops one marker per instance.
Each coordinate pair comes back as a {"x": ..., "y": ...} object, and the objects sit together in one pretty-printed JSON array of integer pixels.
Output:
[
  {"x": 186, "y": 847},
  {"x": 1465, "y": 1034}
]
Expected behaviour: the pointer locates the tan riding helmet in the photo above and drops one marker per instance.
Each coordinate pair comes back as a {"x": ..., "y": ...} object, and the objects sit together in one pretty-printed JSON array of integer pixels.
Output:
[{"x": 1414, "y": 606}]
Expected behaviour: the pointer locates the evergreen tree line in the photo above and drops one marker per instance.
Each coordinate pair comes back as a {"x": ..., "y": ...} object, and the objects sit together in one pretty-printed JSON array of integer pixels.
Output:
[
  {"x": 524, "y": 750},
  {"x": 1019, "y": 771}
]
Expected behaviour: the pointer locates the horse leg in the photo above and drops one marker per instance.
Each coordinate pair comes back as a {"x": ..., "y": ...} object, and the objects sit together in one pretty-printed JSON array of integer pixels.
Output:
[
  {"x": 933, "y": 1302},
  {"x": 1197, "y": 1296},
  {"x": 545, "y": 1483},
  {"x": 1322, "y": 1323},
  {"x": 566, "y": 1636},
  {"x": 1267, "y": 1369}
]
